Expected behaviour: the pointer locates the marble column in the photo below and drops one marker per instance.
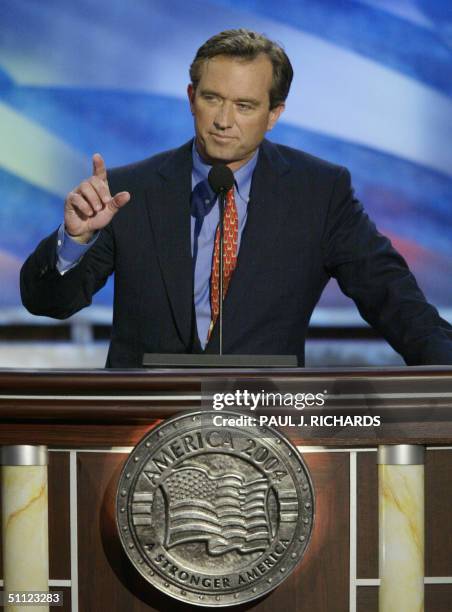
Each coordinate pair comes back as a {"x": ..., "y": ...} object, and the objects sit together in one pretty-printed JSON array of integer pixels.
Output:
[
  {"x": 24, "y": 522},
  {"x": 401, "y": 528}
]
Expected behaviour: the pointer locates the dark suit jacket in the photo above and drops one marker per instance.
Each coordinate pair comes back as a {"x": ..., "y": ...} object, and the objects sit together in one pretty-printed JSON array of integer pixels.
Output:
[{"x": 304, "y": 226}]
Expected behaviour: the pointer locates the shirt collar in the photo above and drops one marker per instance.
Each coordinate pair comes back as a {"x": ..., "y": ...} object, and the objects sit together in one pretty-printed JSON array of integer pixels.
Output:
[{"x": 242, "y": 176}]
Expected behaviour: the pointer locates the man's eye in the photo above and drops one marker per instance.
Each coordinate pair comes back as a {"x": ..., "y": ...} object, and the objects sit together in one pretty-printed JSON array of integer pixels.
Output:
[{"x": 244, "y": 107}]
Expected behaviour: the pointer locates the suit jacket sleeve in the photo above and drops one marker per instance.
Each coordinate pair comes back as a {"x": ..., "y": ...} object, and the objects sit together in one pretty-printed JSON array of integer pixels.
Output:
[
  {"x": 46, "y": 292},
  {"x": 371, "y": 272}
]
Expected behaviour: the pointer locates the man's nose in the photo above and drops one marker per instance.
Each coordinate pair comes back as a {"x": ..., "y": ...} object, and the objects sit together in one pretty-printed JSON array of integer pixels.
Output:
[{"x": 224, "y": 117}]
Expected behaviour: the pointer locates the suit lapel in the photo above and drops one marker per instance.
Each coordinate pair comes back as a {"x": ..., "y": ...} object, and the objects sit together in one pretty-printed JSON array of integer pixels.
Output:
[
  {"x": 169, "y": 210},
  {"x": 267, "y": 208}
]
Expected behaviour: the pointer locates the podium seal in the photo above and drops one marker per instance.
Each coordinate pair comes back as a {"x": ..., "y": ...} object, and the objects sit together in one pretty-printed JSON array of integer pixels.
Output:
[{"x": 214, "y": 515}]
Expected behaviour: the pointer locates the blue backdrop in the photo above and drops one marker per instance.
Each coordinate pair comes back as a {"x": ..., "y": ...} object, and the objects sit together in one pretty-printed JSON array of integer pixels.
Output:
[{"x": 372, "y": 91}]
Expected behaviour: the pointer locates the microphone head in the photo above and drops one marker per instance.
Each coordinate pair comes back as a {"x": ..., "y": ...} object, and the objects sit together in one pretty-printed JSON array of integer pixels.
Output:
[{"x": 220, "y": 178}]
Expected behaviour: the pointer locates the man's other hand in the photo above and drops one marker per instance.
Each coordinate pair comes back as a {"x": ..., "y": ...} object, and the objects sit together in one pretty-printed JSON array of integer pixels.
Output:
[{"x": 90, "y": 206}]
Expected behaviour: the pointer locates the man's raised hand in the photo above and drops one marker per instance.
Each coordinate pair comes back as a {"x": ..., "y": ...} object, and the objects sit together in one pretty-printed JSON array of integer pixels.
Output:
[{"x": 90, "y": 206}]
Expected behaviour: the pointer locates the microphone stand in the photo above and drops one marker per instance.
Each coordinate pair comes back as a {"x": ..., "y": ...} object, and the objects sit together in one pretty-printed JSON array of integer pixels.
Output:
[{"x": 221, "y": 207}]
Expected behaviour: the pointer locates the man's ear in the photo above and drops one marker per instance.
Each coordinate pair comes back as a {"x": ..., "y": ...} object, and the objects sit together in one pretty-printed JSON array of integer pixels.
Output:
[
  {"x": 274, "y": 115},
  {"x": 191, "y": 97}
]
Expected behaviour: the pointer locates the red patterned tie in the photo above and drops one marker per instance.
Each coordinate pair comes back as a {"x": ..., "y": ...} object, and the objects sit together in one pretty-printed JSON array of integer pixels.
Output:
[{"x": 231, "y": 231}]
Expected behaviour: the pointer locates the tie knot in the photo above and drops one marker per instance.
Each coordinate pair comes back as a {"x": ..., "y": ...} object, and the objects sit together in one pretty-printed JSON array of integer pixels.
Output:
[{"x": 202, "y": 200}]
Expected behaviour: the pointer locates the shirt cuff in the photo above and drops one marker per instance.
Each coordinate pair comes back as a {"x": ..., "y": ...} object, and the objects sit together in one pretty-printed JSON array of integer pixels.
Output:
[{"x": 69, "y": 252}]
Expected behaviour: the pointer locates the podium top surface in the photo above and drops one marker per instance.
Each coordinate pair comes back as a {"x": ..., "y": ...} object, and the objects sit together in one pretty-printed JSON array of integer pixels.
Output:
[{"x": 116, "y": 407}]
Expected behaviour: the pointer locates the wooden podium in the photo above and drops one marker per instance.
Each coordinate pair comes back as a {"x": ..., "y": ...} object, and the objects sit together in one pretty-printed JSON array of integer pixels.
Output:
[{"x": 90, "y": 420}]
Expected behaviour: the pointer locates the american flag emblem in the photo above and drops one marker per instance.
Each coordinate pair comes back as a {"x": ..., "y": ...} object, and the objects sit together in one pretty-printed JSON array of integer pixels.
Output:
[{"x": 226, "y": 511}]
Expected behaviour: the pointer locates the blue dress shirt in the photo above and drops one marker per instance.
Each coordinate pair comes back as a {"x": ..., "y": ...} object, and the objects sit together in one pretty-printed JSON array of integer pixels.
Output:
[
  {"x": 70, "y": 252},
  {"x": 206, "y": 239}
]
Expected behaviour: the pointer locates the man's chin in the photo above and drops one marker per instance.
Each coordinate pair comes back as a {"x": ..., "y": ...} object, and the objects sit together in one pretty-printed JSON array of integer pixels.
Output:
[
  {"x": 224, "y": 154},
  {"x": 214, "y": 153},
  {"x": 217, "y": 157}
]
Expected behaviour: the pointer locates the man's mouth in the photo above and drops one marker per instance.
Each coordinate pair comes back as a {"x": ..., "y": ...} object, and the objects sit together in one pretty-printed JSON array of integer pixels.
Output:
[{"x": 221, "y": 136}]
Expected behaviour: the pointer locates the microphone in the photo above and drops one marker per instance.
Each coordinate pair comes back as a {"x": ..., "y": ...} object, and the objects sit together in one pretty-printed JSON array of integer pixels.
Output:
[{"x": 221, "y": 180}]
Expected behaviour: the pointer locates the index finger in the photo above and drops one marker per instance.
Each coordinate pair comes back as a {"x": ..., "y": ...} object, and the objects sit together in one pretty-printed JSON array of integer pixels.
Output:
[{"x": 99, "y": 168}]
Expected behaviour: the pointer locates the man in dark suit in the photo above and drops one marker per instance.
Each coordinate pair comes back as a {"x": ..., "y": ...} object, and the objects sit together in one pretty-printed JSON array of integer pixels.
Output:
[{"x": 294, "y": 223}]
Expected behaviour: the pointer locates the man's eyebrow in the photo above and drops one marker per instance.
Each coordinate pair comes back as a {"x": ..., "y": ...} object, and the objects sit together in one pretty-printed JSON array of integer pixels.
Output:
[
  {"x": 209, "y": 92},
  {"x": 252, "y": 101}
]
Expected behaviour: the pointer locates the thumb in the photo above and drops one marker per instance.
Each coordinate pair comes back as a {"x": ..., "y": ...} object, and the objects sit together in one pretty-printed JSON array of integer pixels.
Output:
[
  {"x": 99, "y": 168},
  {"x": 120, "y": 199}
]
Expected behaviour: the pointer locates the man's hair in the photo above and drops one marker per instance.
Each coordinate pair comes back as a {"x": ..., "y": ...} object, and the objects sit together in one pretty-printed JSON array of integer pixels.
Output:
[{"x": 247, "y": 45}]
